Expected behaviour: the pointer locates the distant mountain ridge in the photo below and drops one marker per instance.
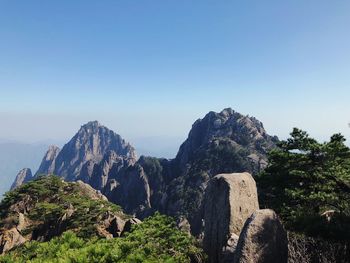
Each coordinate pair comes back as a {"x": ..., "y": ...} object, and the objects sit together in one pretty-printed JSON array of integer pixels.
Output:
[{"x": 220, "y": 142}]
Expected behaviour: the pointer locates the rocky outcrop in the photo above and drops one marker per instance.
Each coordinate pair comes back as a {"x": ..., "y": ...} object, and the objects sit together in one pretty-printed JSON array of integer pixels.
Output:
[
  {"x": 129, "y": 223},
  {"x": 9, "y": 239},
  {"x": 23, "y": 176},
  {"x": 47, "y": 165},
  {"x": 90, "y": 192},
  {"x": 262, "y": 240},
  {"x": 50, "y": 206},
  {"x": 229, "y": 200}
]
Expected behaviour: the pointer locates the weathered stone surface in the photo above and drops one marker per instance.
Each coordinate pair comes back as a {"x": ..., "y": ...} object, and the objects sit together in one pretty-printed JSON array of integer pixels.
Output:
[
  {"x": 10, "y": 238},
  {"x": 262, "y": 240},
  {"x": 23, "y": 176},
  {"x": 229, "y": 200}
]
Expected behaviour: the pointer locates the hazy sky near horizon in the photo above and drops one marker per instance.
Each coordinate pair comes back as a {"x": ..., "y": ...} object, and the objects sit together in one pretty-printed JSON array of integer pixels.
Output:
[{"x": 151, "y": 68}]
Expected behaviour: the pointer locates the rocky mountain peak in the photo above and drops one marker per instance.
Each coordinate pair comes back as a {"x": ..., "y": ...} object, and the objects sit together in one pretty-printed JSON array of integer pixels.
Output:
[
  {"x": 91, "y": 127},
  {"x": 23, "y": 176},
  {"x": 90, "y": 143},
  {"x": 241, "y": 130},
  {"x": 87, "y": 148}
]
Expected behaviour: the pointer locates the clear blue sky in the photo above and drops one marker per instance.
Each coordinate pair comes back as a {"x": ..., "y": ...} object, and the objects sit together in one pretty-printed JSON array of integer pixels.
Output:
[{"x": 150, "y": 68}]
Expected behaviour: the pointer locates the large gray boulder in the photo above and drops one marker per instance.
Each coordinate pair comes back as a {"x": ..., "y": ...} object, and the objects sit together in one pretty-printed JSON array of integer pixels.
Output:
[
  {"x": 262, "y": 240},
  {"x": 229, "y": 200}
]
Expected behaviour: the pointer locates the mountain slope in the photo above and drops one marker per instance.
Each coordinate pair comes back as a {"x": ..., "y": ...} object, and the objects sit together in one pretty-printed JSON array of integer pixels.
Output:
[
  {"x": 40, "y": 212},
  {"x": 48, "y": 206}
]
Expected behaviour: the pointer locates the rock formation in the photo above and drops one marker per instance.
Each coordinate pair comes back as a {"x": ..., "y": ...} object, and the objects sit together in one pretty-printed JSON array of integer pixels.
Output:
[
  {"x": 47, "y": 165},
  {"x": 9, "y": 239},
  {"x": 262, "y": 240},
  {"x": 130, "y": 189},
  {"x": 23, "y": 176},
  {"x": 229, "y": 200}
]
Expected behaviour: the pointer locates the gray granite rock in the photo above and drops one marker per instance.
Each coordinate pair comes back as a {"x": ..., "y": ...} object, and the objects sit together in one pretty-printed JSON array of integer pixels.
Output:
[
  {"x": 229, "y": 200},
  {"x": 262, "y": 240}
]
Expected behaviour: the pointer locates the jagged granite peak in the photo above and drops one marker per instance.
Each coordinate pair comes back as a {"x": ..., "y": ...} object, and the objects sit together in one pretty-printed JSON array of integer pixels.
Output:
[
  {"x": 240, "y": 130},
  {"x": 47, "y": 165},
  {"x": 23, "y": 176},
  {"x": 90, "y": 143}
]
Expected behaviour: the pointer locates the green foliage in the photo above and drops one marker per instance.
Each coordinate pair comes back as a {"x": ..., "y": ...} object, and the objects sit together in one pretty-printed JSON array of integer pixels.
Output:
[
  {"x": 306, "y": 178},
  {"x": 155, "y": 240}
]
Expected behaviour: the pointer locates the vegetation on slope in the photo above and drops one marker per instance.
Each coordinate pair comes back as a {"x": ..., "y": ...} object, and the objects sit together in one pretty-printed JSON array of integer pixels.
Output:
[
  {"x": 46, "y": 202},
  {"x": 155, "y": 240},
  {"x": 73, "y": 219},
  {"x": 308, "y": 184}
]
